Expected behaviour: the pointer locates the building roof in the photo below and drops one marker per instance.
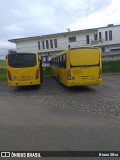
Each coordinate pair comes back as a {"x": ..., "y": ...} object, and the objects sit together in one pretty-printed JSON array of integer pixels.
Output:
[
  {"x": 59, "y": 34},
  {"x": 50, "y": 35}
]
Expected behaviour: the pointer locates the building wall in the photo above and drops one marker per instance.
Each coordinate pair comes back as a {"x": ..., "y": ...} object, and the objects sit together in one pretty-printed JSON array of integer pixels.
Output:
[
  {"x": 27, "y": 46},
  {"x": 111, "y": 58},
  {"x": 115, "y": 36},
  {"x": 31, "y": 44}
]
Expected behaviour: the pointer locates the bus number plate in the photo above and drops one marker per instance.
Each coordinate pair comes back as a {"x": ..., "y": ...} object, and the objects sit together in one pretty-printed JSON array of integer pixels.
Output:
[
  {"x": 25, "y": 77},
  {"x": 84, "y": 77}
]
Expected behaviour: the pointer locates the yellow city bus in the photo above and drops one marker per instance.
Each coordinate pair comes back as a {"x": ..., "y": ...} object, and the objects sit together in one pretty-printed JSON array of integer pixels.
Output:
[
  {"x": 78, "y": 66},
  {"x": 23, "y": 69}
]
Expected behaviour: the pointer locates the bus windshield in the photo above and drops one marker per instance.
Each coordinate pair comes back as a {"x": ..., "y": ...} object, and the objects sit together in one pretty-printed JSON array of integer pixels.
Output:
[
  {"x": 84, "y": 57},
  {"x": 22, "y": 60}
]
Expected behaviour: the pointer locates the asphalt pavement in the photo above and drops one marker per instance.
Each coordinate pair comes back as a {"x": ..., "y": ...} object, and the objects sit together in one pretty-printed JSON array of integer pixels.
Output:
[{"x": 30, "y": 126}]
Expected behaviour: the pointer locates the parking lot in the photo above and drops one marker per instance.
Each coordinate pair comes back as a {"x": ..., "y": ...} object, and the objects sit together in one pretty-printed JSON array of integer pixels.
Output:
[
  {"x": 103, "y": 99},
  {"x": 53, "y": 117}
]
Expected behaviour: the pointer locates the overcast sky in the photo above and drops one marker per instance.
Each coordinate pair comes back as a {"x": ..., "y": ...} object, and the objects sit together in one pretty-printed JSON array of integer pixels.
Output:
[{"x": 25, "y": 18}]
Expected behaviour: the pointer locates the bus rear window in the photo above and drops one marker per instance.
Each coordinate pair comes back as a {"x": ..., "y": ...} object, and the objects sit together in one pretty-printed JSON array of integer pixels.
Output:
[
  {"x": 22, "y": 60},
  {"x": 83, "y": 57}
]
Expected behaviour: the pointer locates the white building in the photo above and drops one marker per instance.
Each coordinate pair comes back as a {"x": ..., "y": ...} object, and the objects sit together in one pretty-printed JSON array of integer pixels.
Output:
[{"x": 107, "y": 38}]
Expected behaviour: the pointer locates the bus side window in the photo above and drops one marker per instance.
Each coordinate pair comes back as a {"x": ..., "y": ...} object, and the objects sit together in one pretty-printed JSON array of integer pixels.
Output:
[
  {"x": 59, "y": 61},
  {"x": 64, "y": 60},
  {"x": 55, "y": 61},
  {"x": 39, "y": 62}
]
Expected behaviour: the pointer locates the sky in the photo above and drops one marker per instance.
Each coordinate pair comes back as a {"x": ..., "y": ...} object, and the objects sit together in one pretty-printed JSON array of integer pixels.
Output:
[{"x": 26, "y": 18}]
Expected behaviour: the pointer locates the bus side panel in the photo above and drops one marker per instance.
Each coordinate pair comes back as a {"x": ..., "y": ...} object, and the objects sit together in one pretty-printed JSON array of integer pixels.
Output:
[
  {"x": 63, "y": 71},
  {"x": 63, "y": 75},
  {"x": 41, "y": 71}
]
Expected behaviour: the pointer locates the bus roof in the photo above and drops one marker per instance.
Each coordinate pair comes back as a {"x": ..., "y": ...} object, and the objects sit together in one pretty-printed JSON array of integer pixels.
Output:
[
  {"x": 58, "y": 54},
  {"x": 13, "y": 52}
]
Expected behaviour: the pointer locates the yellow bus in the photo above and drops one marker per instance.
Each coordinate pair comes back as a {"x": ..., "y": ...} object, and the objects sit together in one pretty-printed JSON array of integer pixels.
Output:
[
  {"x": 23, "y": 69},
  {"x": 78, "y": 66}
]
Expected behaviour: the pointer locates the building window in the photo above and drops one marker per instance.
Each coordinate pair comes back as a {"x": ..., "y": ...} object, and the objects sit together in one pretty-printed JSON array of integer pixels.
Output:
[
  {"x": 100, "y": 36},
  {"x": 55, "y": 42},
  {"x": 51, "y": 43},
  {"x": 47, "y": 44},
  {"x": 72, "y": 39},
  {"x": 110, "y": 35},
  {"x": 39, "y": 45},
  {"x": 106, "y": 35},
  {"x": 87, "y": 39},
  {"x": 43, "y": 45},
  {"x": 95, "y": 37}
]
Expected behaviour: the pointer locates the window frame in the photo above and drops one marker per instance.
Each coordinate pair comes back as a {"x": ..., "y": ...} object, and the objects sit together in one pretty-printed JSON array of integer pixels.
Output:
[
  {"x": 100, "y": 36},
  {"x": 43, "y": 45},
  {"x": 110, "y": 35},
  {"x": 72, "y": 39},
  {"x": 47, "y": 44},
  {"x": 55, "y": 43},
  {"x": 39, "y": 45},
  {"x": 87, "y": 39},
  {"x": 51, "y": 43},
  {"x": 106, "y": 35}
]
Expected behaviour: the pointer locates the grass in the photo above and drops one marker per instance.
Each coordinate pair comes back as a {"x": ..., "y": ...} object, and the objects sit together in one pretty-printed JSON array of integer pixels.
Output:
[
  {"x": 2, "y": 64},
  {"x": 47, "y": 71},
  {"x": 3, "y": 75},
  {"x": 111, "y": 66},
  {"x": 108, "y": 67}
]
